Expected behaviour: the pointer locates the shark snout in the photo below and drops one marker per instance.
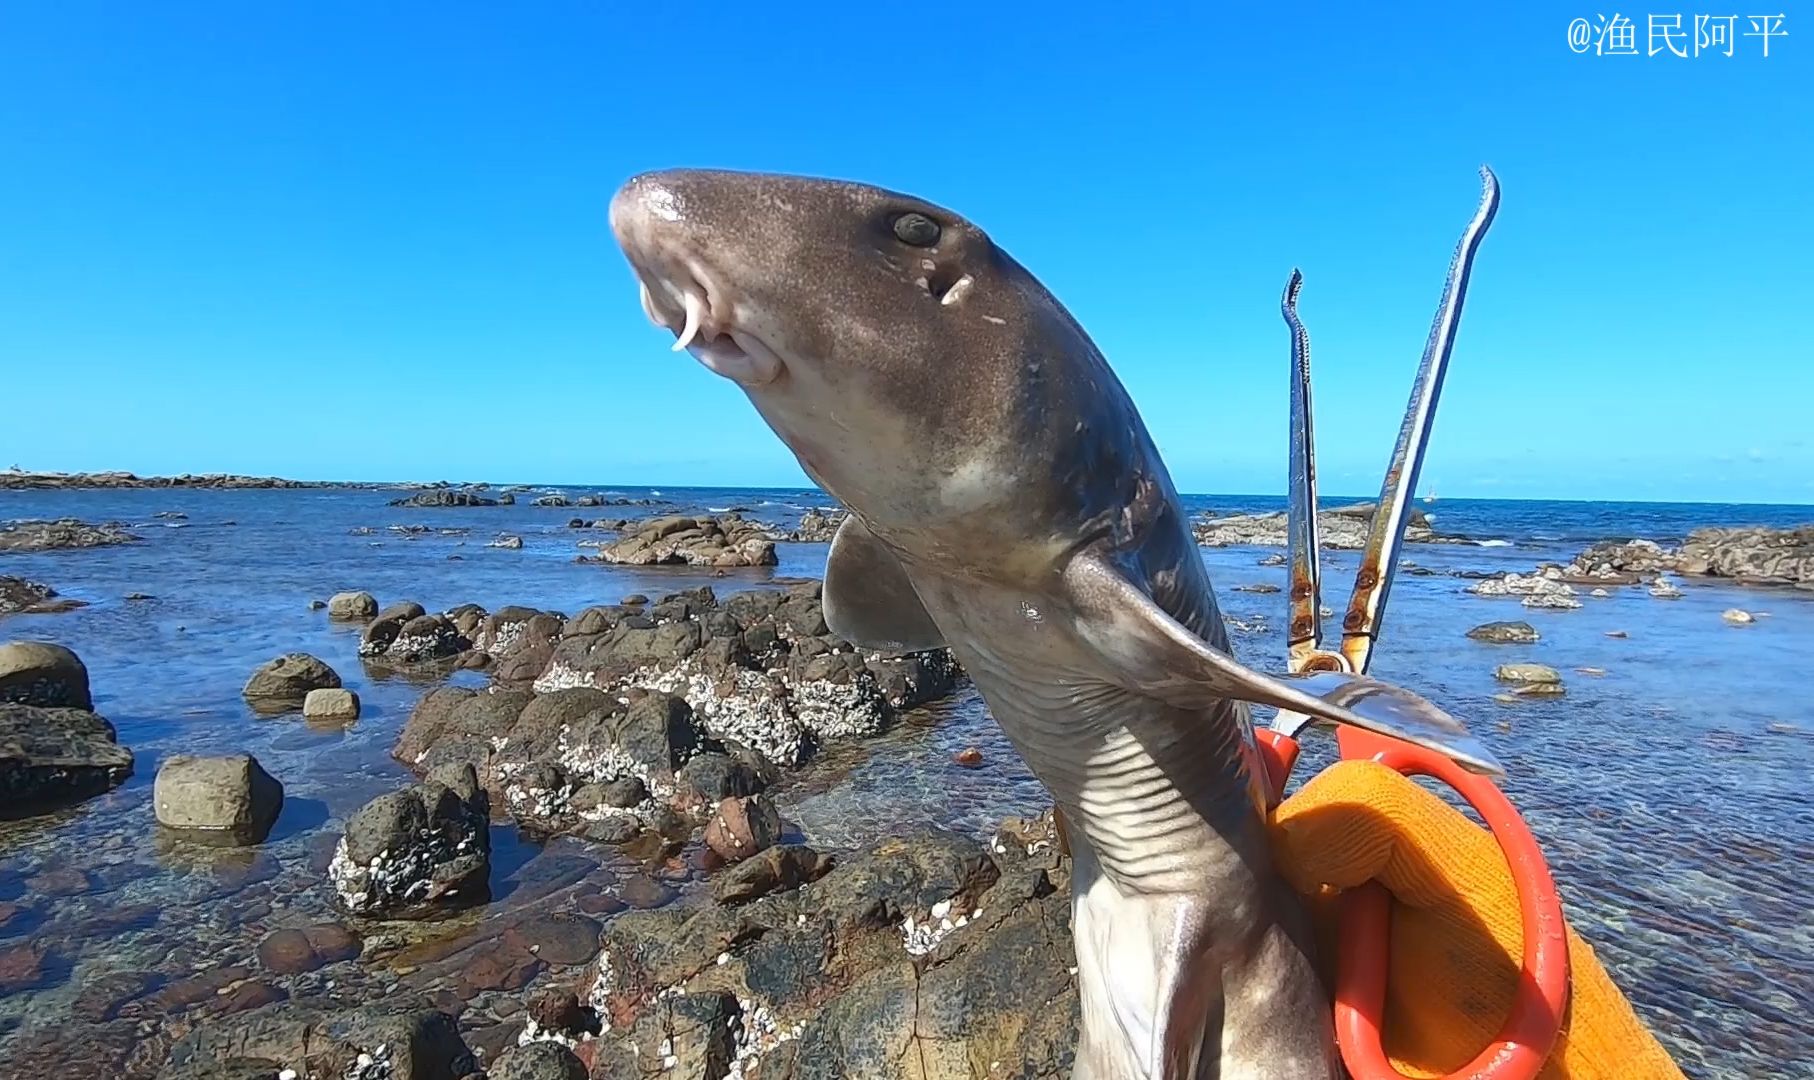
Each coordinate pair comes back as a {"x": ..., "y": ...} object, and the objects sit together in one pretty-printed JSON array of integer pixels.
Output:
[{"x": 654, "y": 219}]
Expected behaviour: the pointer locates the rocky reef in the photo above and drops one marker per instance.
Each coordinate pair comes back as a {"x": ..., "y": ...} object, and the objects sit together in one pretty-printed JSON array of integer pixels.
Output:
[
  {"x": 933, "y": 955},
  {"x": 19, "y": 479},
  {"x": 677, "y": 540},
  {"x": 17, "y": 594},
  {"x": 60, "y": 535},
  {"x": 816, "y": 526},
  {"x": 645, "y": 716},
  {"x": 1338, "y": 527},
  {"x": 1749, "y": 556},
  {"x": 443, "y": 498}
]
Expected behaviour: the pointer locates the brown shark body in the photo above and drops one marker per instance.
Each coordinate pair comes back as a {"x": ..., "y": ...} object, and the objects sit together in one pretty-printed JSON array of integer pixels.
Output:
[{"x": 1007, "y": 501}]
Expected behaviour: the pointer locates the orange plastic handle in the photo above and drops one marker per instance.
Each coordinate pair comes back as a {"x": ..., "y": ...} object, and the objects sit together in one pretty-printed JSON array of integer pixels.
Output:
[{"x": 1524, "y": 1043}]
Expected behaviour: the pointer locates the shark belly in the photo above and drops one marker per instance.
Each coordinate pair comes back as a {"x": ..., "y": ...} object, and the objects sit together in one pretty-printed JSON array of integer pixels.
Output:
[{"x": 1175, "y": 906}]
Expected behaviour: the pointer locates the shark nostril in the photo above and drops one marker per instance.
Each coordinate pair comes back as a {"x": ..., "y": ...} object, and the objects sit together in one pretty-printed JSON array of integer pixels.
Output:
[{"x": 947, "y": 284}]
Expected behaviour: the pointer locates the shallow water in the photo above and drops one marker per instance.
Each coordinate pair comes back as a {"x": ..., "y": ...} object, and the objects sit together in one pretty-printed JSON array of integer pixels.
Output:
[{"x": 1671, "y": 793}]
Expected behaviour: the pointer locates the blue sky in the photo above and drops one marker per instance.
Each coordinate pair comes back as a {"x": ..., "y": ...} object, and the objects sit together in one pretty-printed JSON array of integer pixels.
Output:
[{"x": 369, "y": 241}]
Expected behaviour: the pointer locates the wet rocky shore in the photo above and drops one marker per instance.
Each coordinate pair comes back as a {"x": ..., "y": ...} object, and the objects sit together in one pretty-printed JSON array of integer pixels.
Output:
[{"x": 669, "y": 835}]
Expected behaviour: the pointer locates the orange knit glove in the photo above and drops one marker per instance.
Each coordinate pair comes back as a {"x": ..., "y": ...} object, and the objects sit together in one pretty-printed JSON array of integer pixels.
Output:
[{"x": 1456, "y": 938}]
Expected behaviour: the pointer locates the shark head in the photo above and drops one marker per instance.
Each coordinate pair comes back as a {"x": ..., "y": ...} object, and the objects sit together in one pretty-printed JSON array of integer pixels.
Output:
[{"x": 910, "y": 364}]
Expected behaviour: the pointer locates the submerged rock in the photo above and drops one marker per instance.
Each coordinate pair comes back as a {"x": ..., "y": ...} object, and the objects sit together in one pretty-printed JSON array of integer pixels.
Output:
[
  {"x": 411, "y": 852},
  {"x": 352, "y": 606},
  {"x": 18, "y": 594},
  {"x": 703, "y": 541},
  {"x": 284, "y": 683},
  {"x": 1531, "y": 680},
  {"x": 231, "y": 797},
  {"x": 61, "y": 535},
  {"x": 777, "y": 869},
  {"x": 55, "y": 756},
  {"x": 43, "y": 673},
  {"x": 392, "y": 1040},
  {"x": 1505, "y": 633}
]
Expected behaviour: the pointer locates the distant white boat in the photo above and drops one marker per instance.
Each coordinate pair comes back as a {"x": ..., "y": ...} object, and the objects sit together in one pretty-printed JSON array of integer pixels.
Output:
[{"x": 1430, "y": 495}]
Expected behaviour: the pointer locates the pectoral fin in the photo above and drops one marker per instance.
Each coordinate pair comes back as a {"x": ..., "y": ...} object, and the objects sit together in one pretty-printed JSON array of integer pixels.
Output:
[
  {"x": 869, "y": 600},
  {"x": 1154, "y": 654}
]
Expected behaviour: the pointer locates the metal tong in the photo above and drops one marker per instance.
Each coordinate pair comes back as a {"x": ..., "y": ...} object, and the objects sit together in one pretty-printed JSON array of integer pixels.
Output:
[
  {"x": 1530, "y": 1030},
  {"x": 1379, "y": 560}
]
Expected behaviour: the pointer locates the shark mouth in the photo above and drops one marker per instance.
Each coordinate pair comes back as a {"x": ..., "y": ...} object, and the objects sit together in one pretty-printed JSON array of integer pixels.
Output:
[{"x": 704, "y": 320}]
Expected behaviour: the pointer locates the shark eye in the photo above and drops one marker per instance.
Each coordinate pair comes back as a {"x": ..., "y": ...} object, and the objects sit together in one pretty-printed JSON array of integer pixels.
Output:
[{"x": 916, "y": 229}]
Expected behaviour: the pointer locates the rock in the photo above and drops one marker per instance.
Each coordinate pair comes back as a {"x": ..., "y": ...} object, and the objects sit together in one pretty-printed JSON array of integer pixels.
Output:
[
  {"x": 924, "y": 956},
  {"x": 52, "y": 757},
  {"x": 556, "y": 500},
  {"x": 760, "y": 668},
  {"x": 709, "y": 778},
  {"x": 970, "y": 757},
  {"x": 676, "y": 540},
  {"x": 331, "y": 704},
  {"x": 1737, "y": 616},
  {"x": 538, "y": 1061},
  {"x": 1505, "y": 633},
  {"x": 410, "y": 852},
  {"x": 1539, "y": 590},
  {"x": 405, "y": 634},
  {"x": 559, "y": 1012},
  {"x": 520, "y": 639},
  {"x": 232, "y": 796},
  {"x": 742, "y": 826},
  {"x": 18, "y": 594},
  {"x": 1753, "y": 555},
  {"x": 1344, "y": 527},
  {"x": 285, "y": 682},
  {"x": 818, "y": 526},
  {"x": 459, "y": 724},
  {"x": 1761, "y": 556},
  {"x": 562, "y": 939},
  {"x": 398, "y": 1039},
  {"x": 1664, "y": 589},
  {"x": 116, "y": 479},
  {"x": 42, "y": 673},
  {"x": 444, "y": 498},
  {"x": 295, "y": 952},
  {"x": 351, "y": 606},
  {"x": 66, "y": 534},
  {"x": 1527, "y": 673},
  {"x": 777, "y": 869}
]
